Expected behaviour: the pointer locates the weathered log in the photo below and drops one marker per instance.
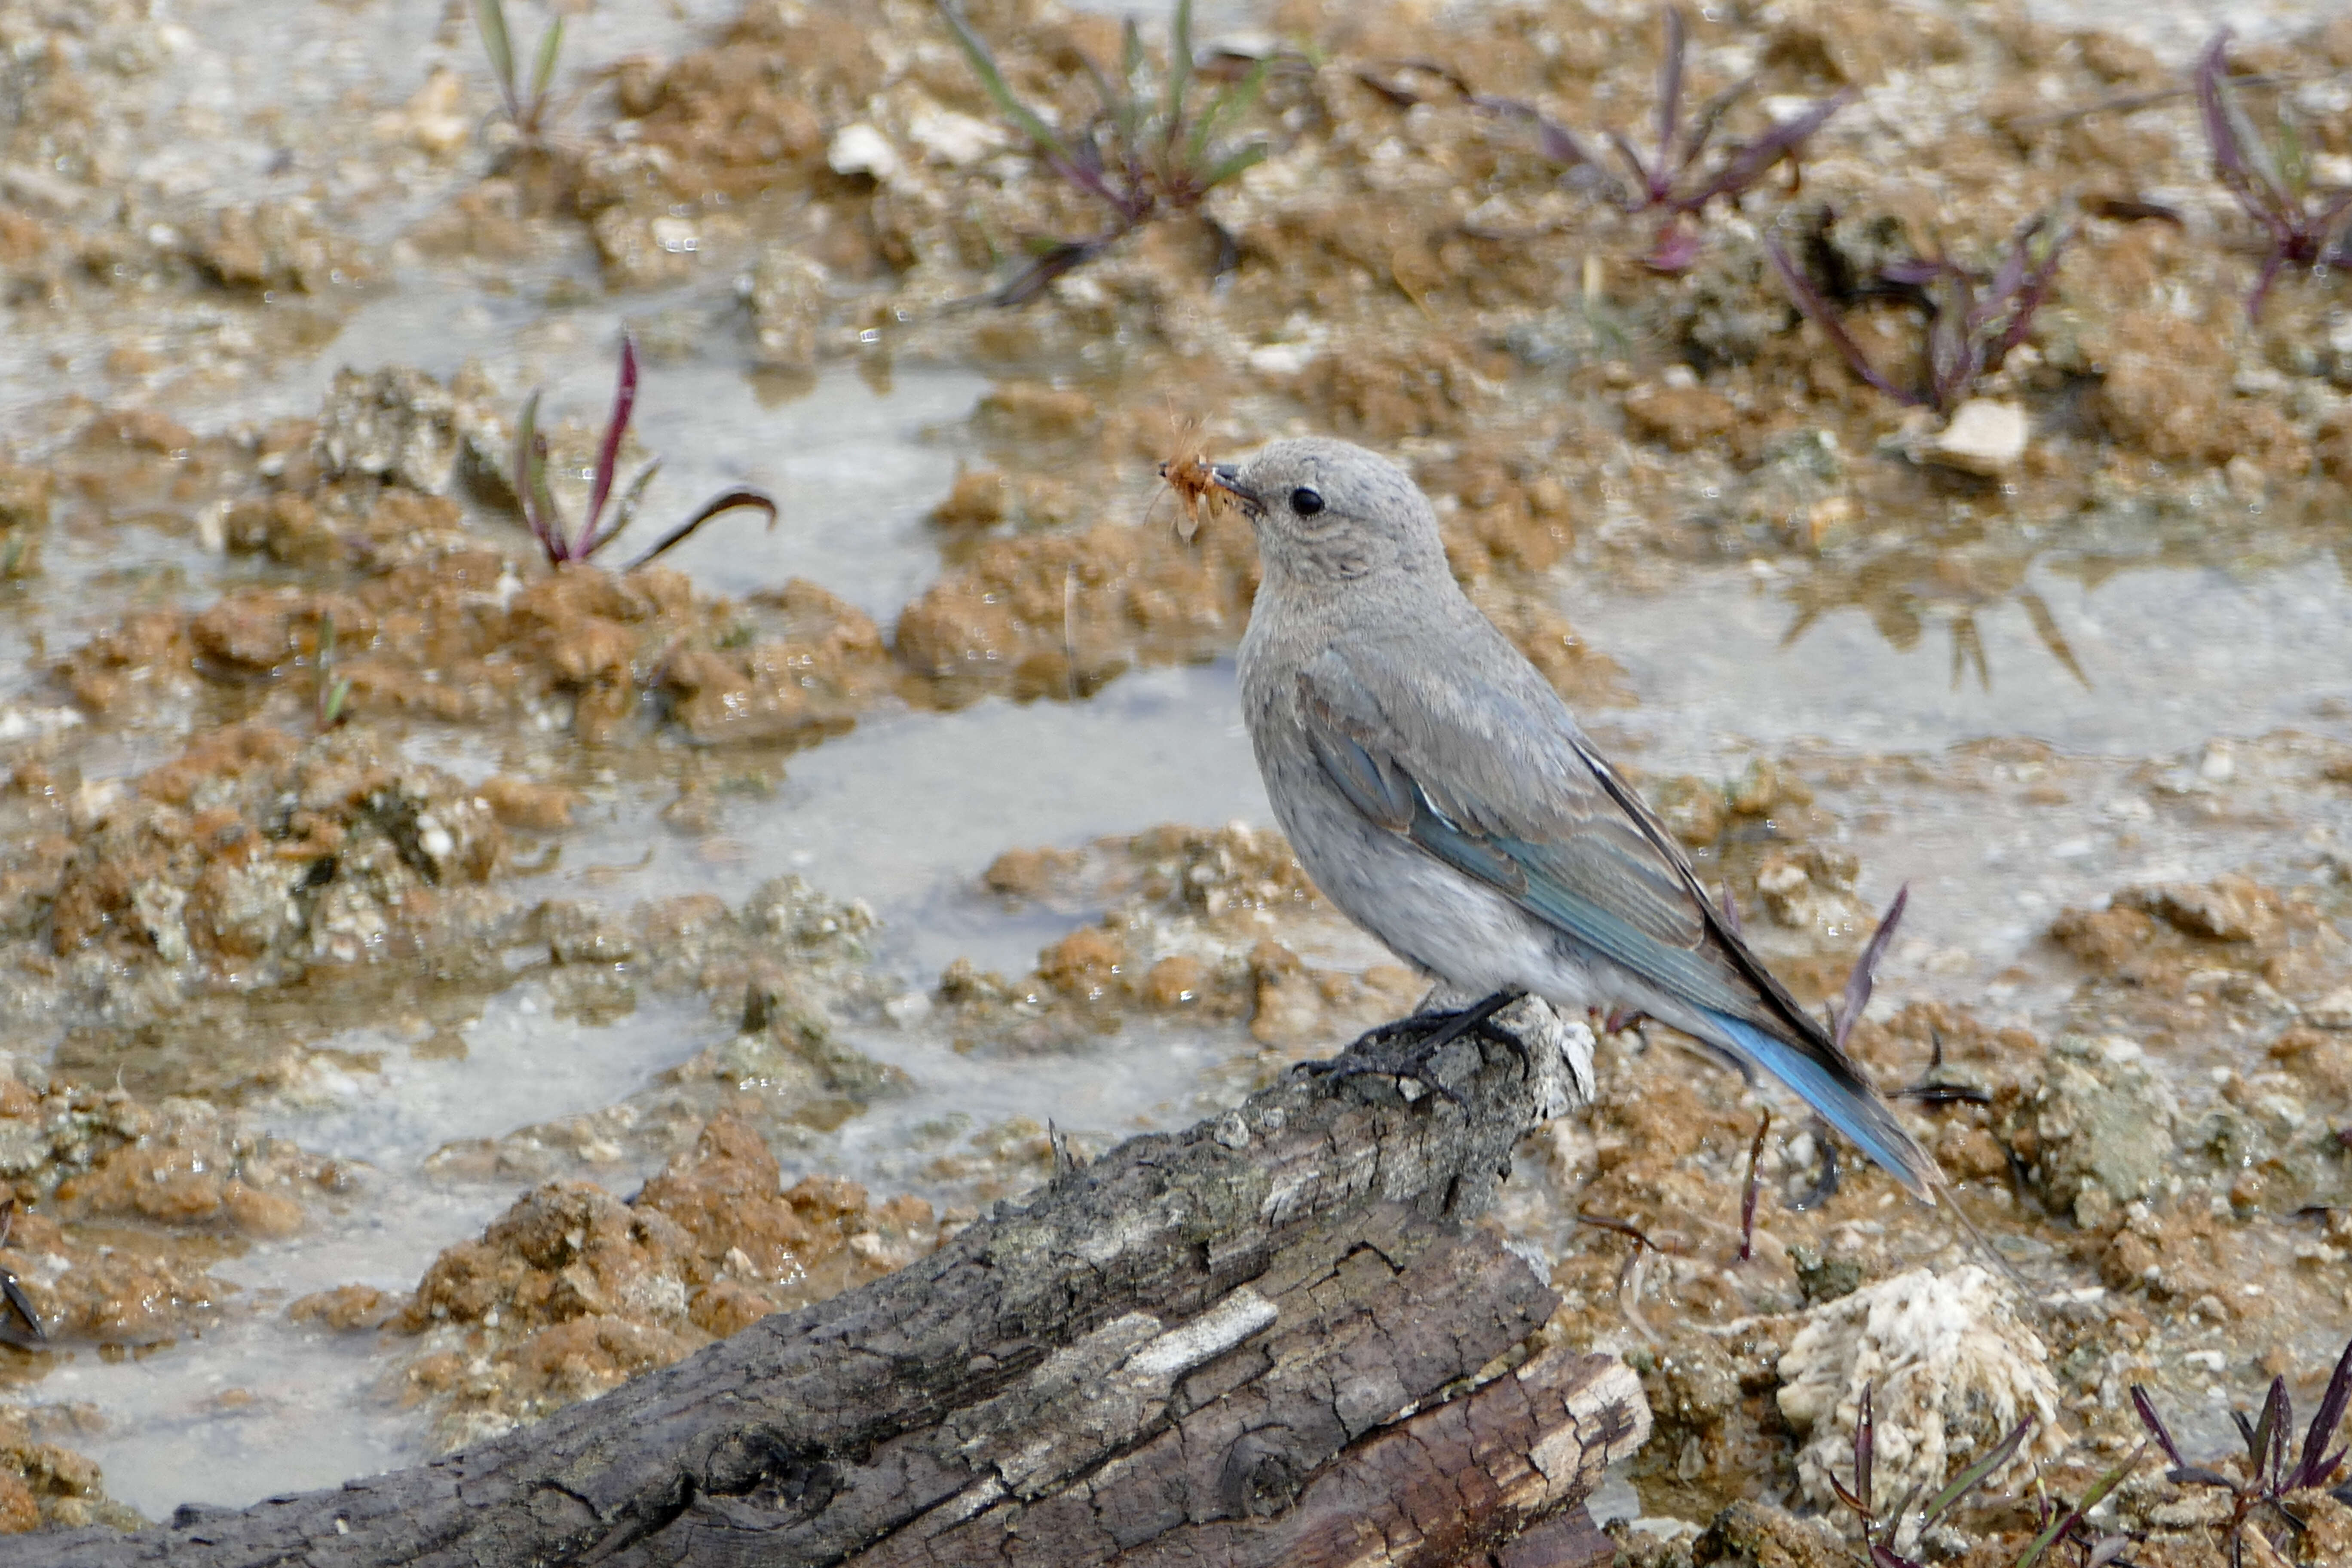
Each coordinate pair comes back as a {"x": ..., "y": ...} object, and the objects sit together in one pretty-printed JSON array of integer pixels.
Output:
[{"x": 1271, "y": 1339}]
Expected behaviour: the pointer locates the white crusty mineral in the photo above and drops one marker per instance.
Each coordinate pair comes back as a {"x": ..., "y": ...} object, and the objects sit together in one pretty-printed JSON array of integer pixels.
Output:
[
  {"x": 859, "y": 149},
  {"x": 1984, "y": 437},
  {"x": 1953, "y": 1369}
]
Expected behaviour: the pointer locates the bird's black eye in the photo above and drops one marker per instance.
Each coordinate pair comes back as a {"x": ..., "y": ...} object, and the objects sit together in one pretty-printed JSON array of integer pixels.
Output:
[{"x": 1305, "y": 501}]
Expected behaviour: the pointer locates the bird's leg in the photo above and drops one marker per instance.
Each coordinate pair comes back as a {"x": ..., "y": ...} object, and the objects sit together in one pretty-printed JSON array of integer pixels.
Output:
[
  {"x": 1441, "y": 1026},
  {"x": 1434, "y": 1032},
  {"x": 1826, "y": 1186},
  {"x": 1623, "y": 1018}
]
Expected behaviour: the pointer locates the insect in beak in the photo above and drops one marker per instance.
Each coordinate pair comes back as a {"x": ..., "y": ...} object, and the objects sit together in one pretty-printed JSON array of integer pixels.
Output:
[{"x": 1228, "y": 478}]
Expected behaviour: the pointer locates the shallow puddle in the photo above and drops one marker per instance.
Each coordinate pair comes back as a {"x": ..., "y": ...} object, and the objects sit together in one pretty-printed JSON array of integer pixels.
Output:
[
  {"x": 2168, "y": 657},
  {"x": 2092, "y": 725},
  {"x": 955, "y": 790},
  {"x": 2176, "y": 666}
]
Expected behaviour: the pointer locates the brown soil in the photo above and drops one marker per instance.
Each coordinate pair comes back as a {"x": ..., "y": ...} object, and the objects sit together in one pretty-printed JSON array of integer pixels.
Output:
[
  {"x": 1198, "y": 935},
  {"x": 1404, "y": 268},
  {"x": 2073, "y": 1151},
  {"x": 45, "y": 1485},
  {"x": 574, "y": 1290},
  {"x": 439, "y": 627},
  {"x": 247, "y": 860},
  {"x": 124, "y": 1205}
]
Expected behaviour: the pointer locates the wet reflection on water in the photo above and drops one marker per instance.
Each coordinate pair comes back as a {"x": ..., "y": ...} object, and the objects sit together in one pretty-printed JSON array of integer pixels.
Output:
[{"x": 2154, "y": 658}]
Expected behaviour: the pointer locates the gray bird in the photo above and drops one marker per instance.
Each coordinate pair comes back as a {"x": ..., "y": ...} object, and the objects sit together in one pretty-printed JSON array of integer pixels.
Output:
[{"x": 1440, "y": 793}]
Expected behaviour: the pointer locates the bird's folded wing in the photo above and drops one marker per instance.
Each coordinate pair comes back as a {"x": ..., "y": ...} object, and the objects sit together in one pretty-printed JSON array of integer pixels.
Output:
[
  {"x": 1541, "y": 827},
  {"x": 1516, "y": 798}
]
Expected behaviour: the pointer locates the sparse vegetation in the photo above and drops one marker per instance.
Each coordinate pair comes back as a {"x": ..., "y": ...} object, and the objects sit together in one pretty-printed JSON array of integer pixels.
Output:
[
  {"x": 326, "y": 591},
  {"x": 2269, "y": 1479},
  {"x": 1141, "y": 156},
  {"x": 2303, "y": 222},
  {"x": 556, "y": 535},
  {"x": 1679, "y": 179},
  {"x": 2061, "y": 1524},
  {"x": 529, "y": 108},
  {"x": 334, "y": 688},
  {"x": 1973, "y": 320}
]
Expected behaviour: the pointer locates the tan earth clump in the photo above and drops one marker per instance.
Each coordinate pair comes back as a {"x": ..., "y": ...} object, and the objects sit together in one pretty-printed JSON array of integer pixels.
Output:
[
  {"x": 254, "y": 853},
  {"x": 194, "y": 1167},
  {"x": 415, "y": 616},
  {"x": 25, "y": 496},
  {"x": 1058, "y": 615},
  {"x": 720, "y": 134},
  {"x": 45, "y": 1485},
  {"x": 1206, "y": 928},
  {"x": 2233, "y": 940},
  {"x": 123, "y": 1207},
  {"x": 461, "y": 638},
  {"x": 574, "y": 1290}
]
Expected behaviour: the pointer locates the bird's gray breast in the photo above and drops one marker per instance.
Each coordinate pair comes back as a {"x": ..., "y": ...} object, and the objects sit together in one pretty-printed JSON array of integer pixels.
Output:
[{"x": 1428, "y": 913}]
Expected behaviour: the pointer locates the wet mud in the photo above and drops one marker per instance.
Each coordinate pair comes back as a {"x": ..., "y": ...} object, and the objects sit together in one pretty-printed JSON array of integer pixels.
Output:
[{"x": 420, "y": 1012}]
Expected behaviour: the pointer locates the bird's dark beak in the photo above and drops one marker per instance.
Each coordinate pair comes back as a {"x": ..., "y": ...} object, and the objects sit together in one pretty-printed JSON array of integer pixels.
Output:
[{"x": 1228, "y": 478}]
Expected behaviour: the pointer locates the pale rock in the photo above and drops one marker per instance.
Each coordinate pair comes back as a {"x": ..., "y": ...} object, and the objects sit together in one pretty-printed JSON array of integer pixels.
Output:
[
  {"x": 1280, "y": 359},
  {"x": 23, "y": 1145},
  {"x": 959, "y": 140},
  {"x": 1984, "y": 436},
  {"x": 434, "y": 120},
  {"x": 20, "y": 723},
  {"x": 2248, "y": 485},
  {"x": 436, "y": 117},
  {"x": 789, "y": 296},
  {"x": 2333, "y": 1011},
  {"x": 859, "y": 149}
]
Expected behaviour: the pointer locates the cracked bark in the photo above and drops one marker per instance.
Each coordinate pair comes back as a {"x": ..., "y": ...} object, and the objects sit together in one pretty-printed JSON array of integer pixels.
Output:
[{"x": 1276, "y": 1338}]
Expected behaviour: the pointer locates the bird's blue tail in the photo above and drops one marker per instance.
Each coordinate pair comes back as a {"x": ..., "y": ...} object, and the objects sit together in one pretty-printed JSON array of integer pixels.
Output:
[{"x": 1849, "y": 1105}]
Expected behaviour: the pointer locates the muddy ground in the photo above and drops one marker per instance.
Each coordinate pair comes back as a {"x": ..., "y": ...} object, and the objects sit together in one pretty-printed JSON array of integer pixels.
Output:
[{"x": 441, "y": 984}]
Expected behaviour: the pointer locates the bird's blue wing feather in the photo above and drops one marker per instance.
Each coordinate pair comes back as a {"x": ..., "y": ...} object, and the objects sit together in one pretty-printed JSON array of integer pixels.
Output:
[
  {"x": 1532, "y": 874},
  {"x": 1561, "y": 888},
  {"x": 1576, "y": 849},
  {"x": 1853, "y": 1110},
  {"x": 1370, "y": 788}
]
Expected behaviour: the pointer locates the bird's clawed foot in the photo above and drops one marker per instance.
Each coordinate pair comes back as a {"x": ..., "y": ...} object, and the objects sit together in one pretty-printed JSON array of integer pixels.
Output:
[
  {"x": 1431, "y": 1033},
  {"x": 1825, "y": 1185}
]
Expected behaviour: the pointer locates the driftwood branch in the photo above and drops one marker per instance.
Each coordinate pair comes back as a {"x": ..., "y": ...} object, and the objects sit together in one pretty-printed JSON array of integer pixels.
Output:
[{"x": 1272, "y": 1339}]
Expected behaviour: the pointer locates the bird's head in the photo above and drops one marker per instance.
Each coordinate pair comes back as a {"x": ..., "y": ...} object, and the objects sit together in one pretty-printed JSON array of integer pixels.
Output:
[{"x": 1328, "y": 512}]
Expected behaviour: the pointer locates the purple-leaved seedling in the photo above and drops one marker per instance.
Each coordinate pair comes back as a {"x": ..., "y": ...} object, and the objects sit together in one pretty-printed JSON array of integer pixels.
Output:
[
  {"x": 2270, "y": 1479},
  {"x": 2059, "y": 1523},
  {"x": 565, "y": 544},
  {"x": 1843, "y": 1019},
  {"x": 1676, "y": 179},
  {"x": 2305, "y": 223},
  {"x": 1754, "y": 1189},
  {"x": 1974, "y": 320}
]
